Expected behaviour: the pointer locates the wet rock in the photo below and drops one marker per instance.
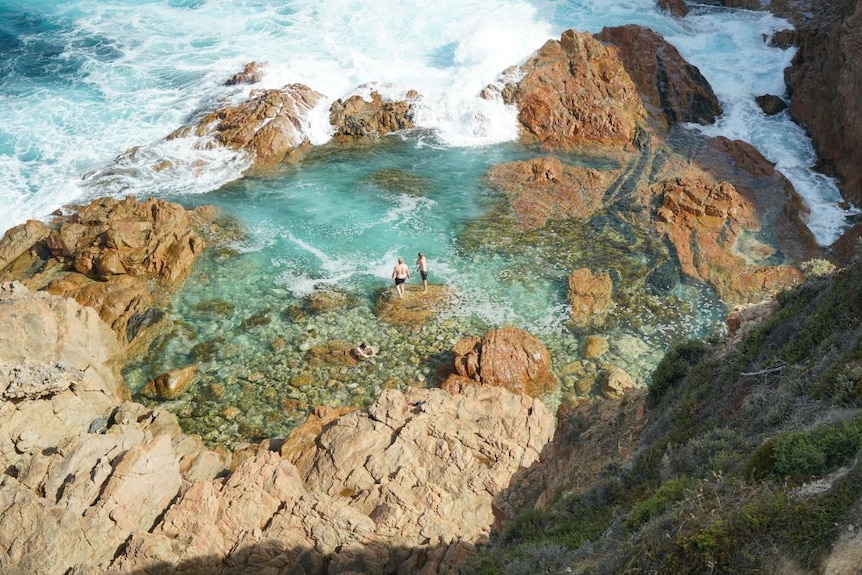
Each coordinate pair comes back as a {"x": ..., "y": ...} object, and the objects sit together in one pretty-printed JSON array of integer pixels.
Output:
[
  {"x": 172, "y": 384},
  {"x": 595, "y": 346},
  {"x": 673, "y": 91},
  {"x": 545, "y": 188},
  {"x": 250, "y": 74},
  {"x": 358, "y": 119},
  {"x": 615, "y": 382},
  {"x": 416, "y": 307},
  {"x": 771, "y": 104},
  {"x": 268, "y": 124}
]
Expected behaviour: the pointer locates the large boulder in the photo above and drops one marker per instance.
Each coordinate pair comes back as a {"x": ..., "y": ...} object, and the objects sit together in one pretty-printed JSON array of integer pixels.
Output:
[
  {"x": 673, "y": 91},
  {"x": 507, "y": 357},
  {"x": 269, "y": 125},
  {"x": 358, "y": 119},
  {"x": 575, "y": 92}
]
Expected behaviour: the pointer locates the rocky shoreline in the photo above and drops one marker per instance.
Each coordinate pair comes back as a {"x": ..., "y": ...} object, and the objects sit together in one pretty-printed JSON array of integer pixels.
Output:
[{"x": 416, "y": 481}]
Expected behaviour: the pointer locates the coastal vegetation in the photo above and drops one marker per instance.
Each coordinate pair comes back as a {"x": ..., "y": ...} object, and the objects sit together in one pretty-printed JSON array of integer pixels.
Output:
[{"x": 750, "y": 457}]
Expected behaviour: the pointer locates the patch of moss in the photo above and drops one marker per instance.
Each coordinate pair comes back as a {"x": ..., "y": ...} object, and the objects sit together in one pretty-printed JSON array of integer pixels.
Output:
[
  {"x": 216, "y": 307},
  {"x": 206, "y": 350},
  {"x": 256, "y": 320}
]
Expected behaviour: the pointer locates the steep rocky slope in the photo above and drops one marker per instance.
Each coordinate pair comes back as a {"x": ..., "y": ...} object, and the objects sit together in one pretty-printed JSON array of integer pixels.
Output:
[{"x": 739, "y": 459}]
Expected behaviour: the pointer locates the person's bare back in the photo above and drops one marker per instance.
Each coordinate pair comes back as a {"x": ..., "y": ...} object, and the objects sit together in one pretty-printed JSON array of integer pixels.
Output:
[{"x": 400, "y": 273}]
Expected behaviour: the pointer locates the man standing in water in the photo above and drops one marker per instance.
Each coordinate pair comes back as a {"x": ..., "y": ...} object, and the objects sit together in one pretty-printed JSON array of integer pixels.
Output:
[
  {"x": 422, "y": 267},
  {"x": 401, "y": 273}
]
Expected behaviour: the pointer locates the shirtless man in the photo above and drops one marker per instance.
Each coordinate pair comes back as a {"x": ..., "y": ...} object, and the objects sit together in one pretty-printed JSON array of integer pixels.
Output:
[
  {"x": 400, "y": 273},
  {"x": 422, "y": 267}
]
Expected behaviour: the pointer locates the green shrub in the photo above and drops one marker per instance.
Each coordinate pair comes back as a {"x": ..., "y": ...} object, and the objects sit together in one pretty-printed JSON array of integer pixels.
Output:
[
  {"x": 673, "y": 367},
  {"x": 800, "y": 456},
  {"x": 669, "y": 493}
]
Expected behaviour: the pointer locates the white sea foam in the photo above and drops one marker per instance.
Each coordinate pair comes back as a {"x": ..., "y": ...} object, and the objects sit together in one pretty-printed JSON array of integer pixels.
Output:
[{"x": 145, "y": 69}]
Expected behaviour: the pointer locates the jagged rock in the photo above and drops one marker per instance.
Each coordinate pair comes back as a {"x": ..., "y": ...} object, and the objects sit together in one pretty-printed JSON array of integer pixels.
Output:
[
  {"x": 357, "y": 118},
  {"x": 107, "y": 254},
  {"x": 673, "y": 91},
  {"x": 19, "y": 239},
  {"x": 507, "y": 357},
  {"x": 590, "y": 295},
  {"x": 575, "y": 92},
  {"x": 268, "y": 125},
  {"x": 250, "y": 74}
]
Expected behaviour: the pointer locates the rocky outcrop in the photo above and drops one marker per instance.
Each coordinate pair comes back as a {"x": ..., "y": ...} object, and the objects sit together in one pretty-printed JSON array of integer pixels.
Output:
[
  {"x": 357, "y": 119},
  {"x": 116, "y": 256},
  {"x": 710, "y": 228},
  {"x": 546, "y": 188},
  {"x": 824, "y": 84},
  {"x": 575, "y": 92},
  {"x": 95, "y": 484},
  {"x": 672, "y": 90},
  {"x": 507, "y": 357},
  {"x": 269, "y": 125},
  {"x": 19, "y": 240}
]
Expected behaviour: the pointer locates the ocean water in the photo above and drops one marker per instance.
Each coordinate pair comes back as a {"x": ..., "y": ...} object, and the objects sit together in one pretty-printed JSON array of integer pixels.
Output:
[{"x": 82, "y": 82}]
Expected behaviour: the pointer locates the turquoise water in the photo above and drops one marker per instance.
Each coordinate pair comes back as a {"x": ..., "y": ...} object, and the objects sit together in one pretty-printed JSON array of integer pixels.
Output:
[
  {"x": 82, "y": 82},
  {"x": 337, "y": 224}
]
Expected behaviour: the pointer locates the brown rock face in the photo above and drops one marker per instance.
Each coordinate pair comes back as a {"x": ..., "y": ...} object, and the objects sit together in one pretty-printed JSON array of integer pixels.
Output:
[
  {"x": 590, "y": 296},
  {"x": 507, "y": 357},
  {"x": 545, "y": 188},
  {"x": 825, "y": 81},
  {"x": 673, "y": 91},
  {"x": 268, "y": 124},
  {"x": 707, "y": 225},
  {"x": 250, "y": 74},
  {"x": 356, "y": 118},
  {"x": 575, "y": 92},
  {"x": 112, "y": 255},
  {"x": 18, "y": 240}
]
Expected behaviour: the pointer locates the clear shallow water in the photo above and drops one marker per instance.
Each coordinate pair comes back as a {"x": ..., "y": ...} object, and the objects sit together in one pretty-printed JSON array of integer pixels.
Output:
[{"x": 82, "y": 82}]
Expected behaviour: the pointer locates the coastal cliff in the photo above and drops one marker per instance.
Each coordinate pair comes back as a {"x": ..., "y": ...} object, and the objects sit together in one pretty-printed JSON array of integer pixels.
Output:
[{"x": 740, "y": 453}]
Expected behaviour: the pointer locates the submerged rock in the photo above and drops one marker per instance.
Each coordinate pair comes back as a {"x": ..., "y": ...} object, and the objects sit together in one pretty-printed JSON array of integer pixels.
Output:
[
  {"x": 416, "y": 307},
  {"x": 172, "y": 384}
]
